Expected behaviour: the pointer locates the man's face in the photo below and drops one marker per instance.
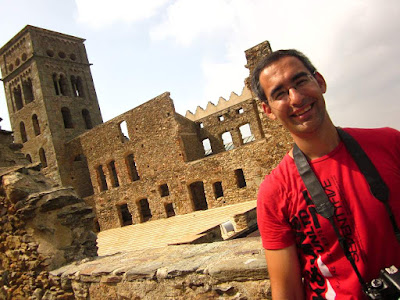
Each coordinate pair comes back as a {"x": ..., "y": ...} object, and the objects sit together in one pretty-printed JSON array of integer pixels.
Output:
[{"x": 295, "y": 97}]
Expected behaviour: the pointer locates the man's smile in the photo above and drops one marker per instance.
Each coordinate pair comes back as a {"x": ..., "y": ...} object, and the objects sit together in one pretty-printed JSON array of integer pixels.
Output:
[{"x": 303, "y": 111}]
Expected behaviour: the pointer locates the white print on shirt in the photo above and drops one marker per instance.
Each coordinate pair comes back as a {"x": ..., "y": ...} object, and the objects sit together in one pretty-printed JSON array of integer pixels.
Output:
[{"x": 330, "y": 294}]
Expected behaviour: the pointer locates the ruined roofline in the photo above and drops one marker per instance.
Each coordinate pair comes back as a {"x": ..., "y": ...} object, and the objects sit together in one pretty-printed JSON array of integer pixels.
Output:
[
  {"x": 30, "y": 28},
  {"x": 222, "y": 104}
]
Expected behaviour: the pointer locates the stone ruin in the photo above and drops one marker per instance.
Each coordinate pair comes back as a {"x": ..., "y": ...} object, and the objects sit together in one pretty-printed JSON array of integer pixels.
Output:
[{"x": 68, "y": 174}]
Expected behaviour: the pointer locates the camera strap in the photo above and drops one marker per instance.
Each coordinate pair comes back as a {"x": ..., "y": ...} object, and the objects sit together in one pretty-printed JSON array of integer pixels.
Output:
[{"x": 322, "y": 204}]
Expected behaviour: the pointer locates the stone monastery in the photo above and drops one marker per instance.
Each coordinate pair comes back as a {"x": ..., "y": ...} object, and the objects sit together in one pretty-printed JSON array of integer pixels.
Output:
[{"x": 147, "y": 163}]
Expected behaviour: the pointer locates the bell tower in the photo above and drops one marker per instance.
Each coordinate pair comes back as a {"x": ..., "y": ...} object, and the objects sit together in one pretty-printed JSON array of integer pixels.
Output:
[{"x": 50, "y": 95}]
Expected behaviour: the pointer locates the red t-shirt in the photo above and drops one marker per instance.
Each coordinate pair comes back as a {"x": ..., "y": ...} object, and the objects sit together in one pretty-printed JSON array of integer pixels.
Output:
[{"x": 286, "y": 216}]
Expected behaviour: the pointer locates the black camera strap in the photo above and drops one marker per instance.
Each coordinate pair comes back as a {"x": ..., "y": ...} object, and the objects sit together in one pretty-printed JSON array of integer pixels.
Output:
[{"x": 322, "y": 204}]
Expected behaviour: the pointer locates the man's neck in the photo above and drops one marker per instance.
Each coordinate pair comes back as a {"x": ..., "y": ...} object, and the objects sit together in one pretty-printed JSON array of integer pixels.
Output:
[{"x": 319, "y": 143}]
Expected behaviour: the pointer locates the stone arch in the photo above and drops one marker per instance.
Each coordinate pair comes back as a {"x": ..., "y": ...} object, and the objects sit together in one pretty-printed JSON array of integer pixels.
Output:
[
  {"x": 22, "y": 130},
  {"x": 42, "y": 156},
  {"x": 87, "y": 119},
  {"x": 35, "y": 124},
  {"x": 67, "y": 118}
]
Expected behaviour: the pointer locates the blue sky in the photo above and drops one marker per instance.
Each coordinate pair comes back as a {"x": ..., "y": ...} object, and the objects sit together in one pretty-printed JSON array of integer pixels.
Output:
[{"x": 195, "y": 49}]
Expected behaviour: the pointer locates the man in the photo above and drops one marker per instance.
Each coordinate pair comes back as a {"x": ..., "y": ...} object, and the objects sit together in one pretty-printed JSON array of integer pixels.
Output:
[{"x": 303, "y": 254}]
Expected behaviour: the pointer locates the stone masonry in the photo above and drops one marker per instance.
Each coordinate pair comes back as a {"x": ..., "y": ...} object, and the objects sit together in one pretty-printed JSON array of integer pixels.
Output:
[{"x": 146, "y": 164}]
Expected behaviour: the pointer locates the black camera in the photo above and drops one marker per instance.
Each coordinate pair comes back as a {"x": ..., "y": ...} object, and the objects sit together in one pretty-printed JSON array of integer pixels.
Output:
[{"x": 387, "y": 286}]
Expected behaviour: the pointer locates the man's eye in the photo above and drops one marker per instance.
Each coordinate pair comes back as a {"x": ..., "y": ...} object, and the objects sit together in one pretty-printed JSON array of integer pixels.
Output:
[
  {"x": 280, "y": 95},
  {"x": 301, "y": 82}
]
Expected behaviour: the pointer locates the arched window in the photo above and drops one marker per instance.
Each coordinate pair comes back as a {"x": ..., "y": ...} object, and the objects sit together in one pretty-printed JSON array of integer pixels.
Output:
[
  {"x": 87, "y": 119},
  {"x": 77, "y": 86},
  {"x": 35, "y": 123},
  {"x": 28, "y": 90},
  {"x": 66, "y": 114},
  {"x": 29, "y": 158},
  {"x": 18, "y": 97},
  {"x": 42, "y": 156},
  {"x": 56, "y": 84},
  {"x": 62, "y": 82},
  {"x": 24, "y": 138}
]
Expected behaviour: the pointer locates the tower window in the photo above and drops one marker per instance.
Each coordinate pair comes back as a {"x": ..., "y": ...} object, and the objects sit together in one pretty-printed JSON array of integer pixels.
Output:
[
  {"x": 63, "y": 86},
  {"x": 24, "y": 138},
  {"x": 35, "y": 123},
  {"x": 42, "y": 156},
  {"x": 87, "y": 119},
  {"x": 28, "y": 90},
  {"x": 56, "y": 84},
  {"x": 18, "y": 97},
  {"x": 29, "y": 158},
  {"x": 66, "y": 114},
  {"x": 77, "y": 86}
]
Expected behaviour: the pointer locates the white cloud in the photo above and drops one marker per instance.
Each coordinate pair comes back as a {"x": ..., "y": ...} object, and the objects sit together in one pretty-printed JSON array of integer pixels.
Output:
[
  {"x": 101, "y": 13},
  {"x": 187, "y": 20}
]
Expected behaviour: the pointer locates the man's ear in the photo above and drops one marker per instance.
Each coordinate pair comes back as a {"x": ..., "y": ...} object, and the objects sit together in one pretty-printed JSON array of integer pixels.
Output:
[
  {"x": 321, "y": 81},
  {"x": 268, "y": 111}
]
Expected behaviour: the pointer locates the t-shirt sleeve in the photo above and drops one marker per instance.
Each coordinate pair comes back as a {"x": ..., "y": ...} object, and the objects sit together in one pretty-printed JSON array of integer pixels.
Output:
[{"x": 272, "y": 219}]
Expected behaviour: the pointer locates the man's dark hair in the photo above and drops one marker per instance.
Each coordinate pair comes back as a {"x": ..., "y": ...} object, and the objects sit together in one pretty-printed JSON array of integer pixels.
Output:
[{"x": 268, "y": 60}]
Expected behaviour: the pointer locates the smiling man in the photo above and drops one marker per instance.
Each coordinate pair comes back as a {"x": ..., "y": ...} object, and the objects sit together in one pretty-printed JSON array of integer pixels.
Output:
[{"x": 303, "y": 253}]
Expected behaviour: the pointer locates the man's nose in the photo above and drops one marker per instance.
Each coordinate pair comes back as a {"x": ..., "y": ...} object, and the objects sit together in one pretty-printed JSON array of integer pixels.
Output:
[{"x": 296, "y": 98}]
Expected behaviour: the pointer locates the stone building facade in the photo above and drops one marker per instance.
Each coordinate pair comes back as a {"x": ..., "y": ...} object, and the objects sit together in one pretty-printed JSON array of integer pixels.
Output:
[{"x": 147, "y": 163}]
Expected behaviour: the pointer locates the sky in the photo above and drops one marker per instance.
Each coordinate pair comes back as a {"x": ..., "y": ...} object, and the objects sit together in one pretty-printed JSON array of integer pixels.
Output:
[{"x": 195, "y": 49}]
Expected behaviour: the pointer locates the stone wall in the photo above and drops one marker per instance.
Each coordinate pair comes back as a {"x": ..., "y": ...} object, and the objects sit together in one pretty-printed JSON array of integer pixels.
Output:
[
  {"x": 233, "y": 270},
  {"x": 43, "y": 226}
]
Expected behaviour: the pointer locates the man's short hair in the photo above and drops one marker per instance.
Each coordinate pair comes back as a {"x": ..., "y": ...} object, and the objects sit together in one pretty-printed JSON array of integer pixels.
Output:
[{"x": 268, "y": 60}]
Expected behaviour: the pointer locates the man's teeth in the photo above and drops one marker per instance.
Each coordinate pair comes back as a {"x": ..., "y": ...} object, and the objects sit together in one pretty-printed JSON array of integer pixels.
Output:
[{"x": 303, "y": 111}]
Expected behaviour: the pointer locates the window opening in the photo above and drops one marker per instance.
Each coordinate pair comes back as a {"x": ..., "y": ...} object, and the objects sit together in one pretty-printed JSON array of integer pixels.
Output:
[
  {"x": 246, "y": 134},
  {"x": 56, "y": 84},
  {"x": 201, "y": 125},
  {"x": 240, "y": 181},
  {"x": 227, "y": 141},
  {"x": 63, "y": 85},
  {"x": 24, "y": 138},
  {"x": 124, "y": 214},
  {"x": 207, "y": 147},
  {"x": 29, "y": 158},
  {"x": 217, "y": 187},
  {"x": 131, "y": 165},
  {"x": 123, "y": 128},
  {"x": 77, "y": 86},
  {"x": 42, "y": 156},
  {"x": 96, "y": 226},
  {"x": 101, "y": 178},
  {"x": 28, "y": 90},
  {"x": 18, "y": 97},
  {"x": 221, "y": 118},
  {"x": 169, "y": 209},
  {"x": 164, "y": 190},
  {"x": 198, "y": 195},
  {"x": 145, "y": 212},
  {"x": 240, "y": 111},
  {"x": 66, "y": 114},
  {"x": 87, "y": 119},
  {"x": 35, "y": 123},
  {"x": 113, "y": 171}
]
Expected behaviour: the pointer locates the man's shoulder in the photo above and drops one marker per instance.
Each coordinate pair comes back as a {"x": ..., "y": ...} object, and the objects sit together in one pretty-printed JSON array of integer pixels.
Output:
[
  {"x": 280, "y": 174},
  {"x": 383, "y": 136}
]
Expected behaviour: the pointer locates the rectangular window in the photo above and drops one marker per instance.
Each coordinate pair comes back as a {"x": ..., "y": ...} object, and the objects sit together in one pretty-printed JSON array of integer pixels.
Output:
[
  {"x": 125, "y": 215},
  {"x": 240, "y": 181},
  {"x": 164, "y": 190},
  {"x": 113, "y": 172},
  {"x": 101, "y": 178},
  {"x": 218, "y": 192}
]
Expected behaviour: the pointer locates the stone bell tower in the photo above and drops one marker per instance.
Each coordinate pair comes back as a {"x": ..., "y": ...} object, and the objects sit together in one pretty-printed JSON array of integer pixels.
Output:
[{"x": 50, "y": 95}]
